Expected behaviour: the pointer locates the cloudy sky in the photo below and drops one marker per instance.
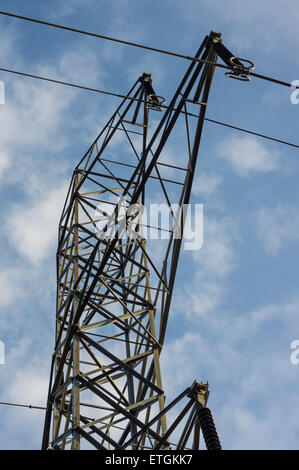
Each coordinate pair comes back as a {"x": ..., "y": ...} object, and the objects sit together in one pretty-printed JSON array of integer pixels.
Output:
[{"x": 236, "y": 303}]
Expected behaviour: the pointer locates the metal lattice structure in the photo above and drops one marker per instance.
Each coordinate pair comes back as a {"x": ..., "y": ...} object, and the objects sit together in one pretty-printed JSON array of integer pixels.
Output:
[{"x": 114, "y": 287}]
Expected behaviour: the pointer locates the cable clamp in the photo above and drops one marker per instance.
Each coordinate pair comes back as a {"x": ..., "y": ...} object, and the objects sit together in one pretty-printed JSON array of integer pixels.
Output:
[
  {"x": 155, "y": 102},
  {"x": 240, "y": 71}
]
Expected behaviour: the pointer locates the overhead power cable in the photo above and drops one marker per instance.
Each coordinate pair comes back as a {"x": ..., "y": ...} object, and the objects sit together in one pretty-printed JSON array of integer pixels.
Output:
[
  {"x": 23, "y": 406},
  {"x": 60, "y": 82},
  {"x": 109, "y": 38},
  {"x": 43, "y": 408},
  {"x": 252, "y": 132},
  {"x": 142, "y": 46},
  {"x": 118, "y": 95}
]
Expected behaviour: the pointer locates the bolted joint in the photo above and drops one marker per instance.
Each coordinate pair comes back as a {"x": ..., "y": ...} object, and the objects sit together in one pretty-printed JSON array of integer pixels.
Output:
[
  {"x": 154, "y": 101},
  {"x": 199, "y": 392},
  {"x": 75, "y": 328},
  {"x": 216, "y": 37}
]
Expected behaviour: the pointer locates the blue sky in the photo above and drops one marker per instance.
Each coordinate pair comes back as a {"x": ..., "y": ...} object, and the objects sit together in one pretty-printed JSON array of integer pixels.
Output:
[{"x": 236, "y": 303}]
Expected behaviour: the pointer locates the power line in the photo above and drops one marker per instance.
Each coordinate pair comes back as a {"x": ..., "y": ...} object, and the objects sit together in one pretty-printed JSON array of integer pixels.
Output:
[
  {"x": 23, "y": 406},
  {"x": 252, "y": 133},
  {"x": 118, "y": 95},
  {"x": 42, "y": 408},
  {"x": 109, "y": 38},
  {"x": 142, "y": 46},
  {"x": 95, "y": 90}
]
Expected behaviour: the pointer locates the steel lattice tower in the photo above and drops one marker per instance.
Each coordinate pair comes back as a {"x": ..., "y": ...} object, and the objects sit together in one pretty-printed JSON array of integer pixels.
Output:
[{"x": 114, "y": 287}]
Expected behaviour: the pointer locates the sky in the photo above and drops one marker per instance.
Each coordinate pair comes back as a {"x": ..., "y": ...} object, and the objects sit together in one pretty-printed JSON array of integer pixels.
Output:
[{"x": 235, "y": 307}]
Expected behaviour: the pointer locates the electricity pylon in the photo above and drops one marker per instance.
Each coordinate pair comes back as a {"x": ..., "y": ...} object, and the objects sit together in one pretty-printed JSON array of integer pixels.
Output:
[{"x": 114, "y": 287}]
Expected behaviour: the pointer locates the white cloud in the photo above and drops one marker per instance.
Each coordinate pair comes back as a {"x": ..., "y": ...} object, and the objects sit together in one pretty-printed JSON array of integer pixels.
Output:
[
  {"x": 4, "y": 163},
  {"x": 247, "y": 155},
  {"x": 36, "y": 118},
  {"x": 217, "y": 256},
  {"x": 22, "y": 287},
  {"x": 276, "y": 96},
  {"x": 33, "y": 391},
  {"x": 250, "y": 22},
  {"x": 79, "y": 63},
  {"x": 9, "y": 37},
  {"x": 206, "y": 184},
  {"x": 41, "y": 116},
  {"x": 32, "y": 228},
  {"x": 200, "y": 298},
  {"x": 10, "y": 285},
  {"x": 69, "y": 7},
  {"x": 147, "y": 64},
  {"x": 26, "y": 382},
  {"x": 214, "y": 263},
  {"x": 252, "y": 381},
  {"x": 277, "y": 226}
]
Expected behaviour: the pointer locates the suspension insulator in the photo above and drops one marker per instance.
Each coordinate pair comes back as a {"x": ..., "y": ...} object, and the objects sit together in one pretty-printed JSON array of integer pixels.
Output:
[{"x": 208, "y": 429}]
